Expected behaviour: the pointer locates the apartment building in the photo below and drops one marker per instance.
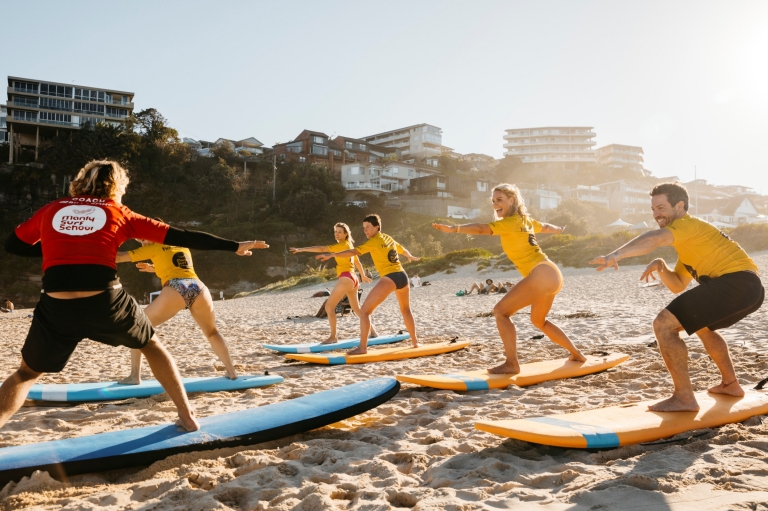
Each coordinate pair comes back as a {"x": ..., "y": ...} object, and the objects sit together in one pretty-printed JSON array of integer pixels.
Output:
[
  {"x": 628, "y": 197},
  {"x": 586, "y": 193},
  {"x": 540, "y": 198},
  {"x": 39, "y": 110},
  {"x": 3, "y": 126},
  {"x": 316, "y": 147},
  {"x": 381, "y": 178},
  {"x": 621, "y": 156},
  {"x": 244, "y": 148},
  {"x": 416, "y": 143},
  {"x": 551, "y": 146}
]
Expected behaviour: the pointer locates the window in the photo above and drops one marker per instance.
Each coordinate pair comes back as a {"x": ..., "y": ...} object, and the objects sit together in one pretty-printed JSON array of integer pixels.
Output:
[
  {"x": 294, "y": 147},
  {"x": 410, "y": 172},
  {"x": 302, "y": 159},
  {"x": 55, "y": 118},
  {"x": 351, "y": 156},
  {"x": 353, "y": 170},
  {"x": 482, "y": 186},
  {"x": 90, "y": 95},
  {"x": 88, "y": 108},
  {"x": 349, "y": 145},
  {"x": 319, "y": 149},
  {"x": 116, "y": 112},
  {"x": 56, "y": 104},
  {"x": 24, "y": 115},
  {"x": 362, "y": 147},
  {"x": 29, "y": 88},
  {"x": 25, "y": 101},
  {"x": 318, "y": 140},
  {"x": 336, "y": 152},
  {"x": 48, "y": 89}
]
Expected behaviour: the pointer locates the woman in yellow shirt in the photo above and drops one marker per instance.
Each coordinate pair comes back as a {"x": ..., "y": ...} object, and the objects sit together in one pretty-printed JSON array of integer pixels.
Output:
[
  {"x": 542, "y": 278},
  {"x": 181, "y": 290},
  {"x": 347, "y": 282},
  {"x": 384, "y": 252}
]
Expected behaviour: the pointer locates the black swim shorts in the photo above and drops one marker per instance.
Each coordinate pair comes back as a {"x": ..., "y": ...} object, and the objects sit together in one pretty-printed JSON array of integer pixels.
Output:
[
  {"x": 719, "y": 302},
  {"x": 400, "y": 278},
  {"x": 112, "y": 317}
]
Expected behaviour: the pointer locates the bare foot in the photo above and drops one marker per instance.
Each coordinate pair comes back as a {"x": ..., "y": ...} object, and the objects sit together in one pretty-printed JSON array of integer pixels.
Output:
[
  {"x": 415, "y": 343},
  {"x": 729, "y": 389},
  {"x": 357, "y": 351},
  {"x": 505, "y": 368},
  {"x": 577, "y": 357},
  {"x": 675, "y": 404},
  {"x": 232, "y": 374},
  {"x": 373, "y": 334},
  {"x": 131, "y": 380},
  {"x": 330, "y": 340},
  {"x": 189, "y": 423}
]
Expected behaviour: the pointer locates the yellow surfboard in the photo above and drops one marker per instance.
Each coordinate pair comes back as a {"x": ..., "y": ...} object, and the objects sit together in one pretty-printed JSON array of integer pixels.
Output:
[
  {"x": 628, "y": 424},
  {"x": 380, "y": 355},
  {"x": 530, "y": 374}
]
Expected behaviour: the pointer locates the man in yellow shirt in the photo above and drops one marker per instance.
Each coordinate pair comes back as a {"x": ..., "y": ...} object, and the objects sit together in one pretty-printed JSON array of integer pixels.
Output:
[{"x": 729, "y": 289}]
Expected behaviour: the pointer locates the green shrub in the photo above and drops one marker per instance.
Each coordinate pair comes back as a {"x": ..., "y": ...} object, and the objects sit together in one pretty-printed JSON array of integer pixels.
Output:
[{"x": 751, "y": 237}]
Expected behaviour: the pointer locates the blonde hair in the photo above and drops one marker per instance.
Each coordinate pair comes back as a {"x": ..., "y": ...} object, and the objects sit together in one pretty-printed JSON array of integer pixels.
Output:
[
  {"x": 346, "y": 230},
  {"x": 513, "y": 192},
  {"x": 100, "y": 178}
]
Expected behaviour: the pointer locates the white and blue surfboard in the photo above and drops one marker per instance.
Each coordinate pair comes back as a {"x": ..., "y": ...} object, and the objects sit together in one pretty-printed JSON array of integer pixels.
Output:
[
  {"x": 341, "y": 345},
  {"x": 143, "y": 446},
  {"x": 106, "y": 391}
]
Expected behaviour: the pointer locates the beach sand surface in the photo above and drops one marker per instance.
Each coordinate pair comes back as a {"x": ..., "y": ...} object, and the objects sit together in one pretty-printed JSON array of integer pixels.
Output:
[{"x": 420, "y": 450}]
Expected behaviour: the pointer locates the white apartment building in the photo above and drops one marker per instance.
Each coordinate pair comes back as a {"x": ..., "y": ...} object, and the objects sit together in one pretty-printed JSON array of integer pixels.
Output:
[
  {"x": 619, "y": 155},
  {"x": 380, "y": 177},
  {"x": 419, "y": 142},
  {"x": 587, "y": 193},
  {"x": 3, "y": 125},
  {"x": 551, "y": 144}
]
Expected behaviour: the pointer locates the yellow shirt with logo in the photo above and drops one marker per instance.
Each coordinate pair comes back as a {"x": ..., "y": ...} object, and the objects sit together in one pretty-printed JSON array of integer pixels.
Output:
[
  {"x": 518, "y": 240},
  {"x": 342, "y": 263},
  {"x": 383, "y": 250},
  {"x": 170, "y": 262},
  {"x": 704, "y": 250}
]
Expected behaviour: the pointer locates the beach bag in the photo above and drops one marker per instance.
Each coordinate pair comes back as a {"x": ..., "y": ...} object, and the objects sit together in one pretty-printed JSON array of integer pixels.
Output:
[{"x": 460, "y": 292}]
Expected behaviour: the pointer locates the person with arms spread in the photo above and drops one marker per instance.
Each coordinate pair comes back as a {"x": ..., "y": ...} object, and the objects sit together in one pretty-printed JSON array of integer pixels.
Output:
[
  {"x": 729, "y": 290},
  {"x": 384, "y": 252},
  {"x": 78, "y": 238},
  {"x": 542, "y": 280},
  {"x": 182, "y": 289},
  {"x": 347, "y": 282}
]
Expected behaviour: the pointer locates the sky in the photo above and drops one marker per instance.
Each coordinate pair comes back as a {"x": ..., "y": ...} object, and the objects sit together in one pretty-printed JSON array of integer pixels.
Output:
[{"x": 686, "y": 80}]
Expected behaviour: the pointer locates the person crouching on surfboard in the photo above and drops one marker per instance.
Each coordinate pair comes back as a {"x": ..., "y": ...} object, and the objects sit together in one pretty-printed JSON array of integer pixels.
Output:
[
  {"x": 542, "y": 278},
  {"x": 729, "y": 289},
  {"x": 347, "y": 282},
  {"x": 384, "y": 252},
  {"x": 82, "y": 297}
]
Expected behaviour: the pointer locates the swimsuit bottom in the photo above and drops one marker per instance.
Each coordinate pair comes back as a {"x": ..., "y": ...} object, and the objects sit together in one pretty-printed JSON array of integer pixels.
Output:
[
  {"x": 189, "y": 289},
  {"x": 351, "y": 276}
]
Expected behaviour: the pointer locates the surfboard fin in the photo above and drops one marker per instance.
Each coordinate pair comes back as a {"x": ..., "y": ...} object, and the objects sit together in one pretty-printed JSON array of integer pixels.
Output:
[{"x": 761, "y": 384}]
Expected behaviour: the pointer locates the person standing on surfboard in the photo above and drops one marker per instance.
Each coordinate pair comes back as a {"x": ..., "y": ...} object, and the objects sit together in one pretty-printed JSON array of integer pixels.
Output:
[
  {"x": 182, "y": 289},
  {"x": 384, "y": 252},
  {"x": 78, "y": 238},
  {"x": 542, "y": 279},
  {"x": 347, "y": 282},
  {"x": 729, "y": 289}
]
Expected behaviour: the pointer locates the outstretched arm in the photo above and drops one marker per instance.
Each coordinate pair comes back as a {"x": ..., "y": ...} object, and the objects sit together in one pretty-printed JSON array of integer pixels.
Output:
[
  {"x": 316, "y": 248},
  {"x": 344, "y": 253},
  {"x": 361, "y": 270},
  {"x": 551, "y": 229},
  {"x": 123, "y": 257},
  {"x": 640, "y": 245},
  {"x": 407, "y": 254},
  {"x": 483, "y": 229}
]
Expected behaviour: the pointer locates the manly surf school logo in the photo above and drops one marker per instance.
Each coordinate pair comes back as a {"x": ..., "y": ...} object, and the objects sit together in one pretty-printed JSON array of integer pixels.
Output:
[{"x": 79, "y": 220}]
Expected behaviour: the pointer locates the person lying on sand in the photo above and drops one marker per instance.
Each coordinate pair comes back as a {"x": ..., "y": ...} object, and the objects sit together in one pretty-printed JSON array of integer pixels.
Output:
[
  {"x": 384, "y": 252},
  {"x": 346, "y": 283},
  {"x": 729, "y": 289},
  {"x": 542, "y": 278},
  {"x": 483, "y": 289}
]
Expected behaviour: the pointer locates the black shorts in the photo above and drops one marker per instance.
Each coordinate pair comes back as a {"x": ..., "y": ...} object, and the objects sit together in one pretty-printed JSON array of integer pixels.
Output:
[
  {"x": 400, "y": 279},
  {"x": 720, "y": 302},
  {"x": 112, "y": 317}
]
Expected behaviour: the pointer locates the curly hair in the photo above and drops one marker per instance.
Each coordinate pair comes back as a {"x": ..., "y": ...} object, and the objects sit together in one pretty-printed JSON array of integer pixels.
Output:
[
  {"x": 346, "y": 229},
  {"x": 512, "y": 192},
  {"x": 100, "y": 178}
]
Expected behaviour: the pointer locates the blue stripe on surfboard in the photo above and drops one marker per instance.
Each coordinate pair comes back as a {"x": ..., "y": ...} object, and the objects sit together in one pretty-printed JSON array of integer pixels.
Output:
[
  {"x": 472, "y": 382},
  {"x": 596, "y": 436},
  {"x": 341, "y": 345},
  {"x": 102, "y": 391},
  {"x": 337, "y": 360},
  {"x": 227, "y": 426}
]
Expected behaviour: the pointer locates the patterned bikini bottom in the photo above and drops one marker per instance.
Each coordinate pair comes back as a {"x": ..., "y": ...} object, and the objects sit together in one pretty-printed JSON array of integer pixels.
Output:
[{"x": 189, "y": 289}]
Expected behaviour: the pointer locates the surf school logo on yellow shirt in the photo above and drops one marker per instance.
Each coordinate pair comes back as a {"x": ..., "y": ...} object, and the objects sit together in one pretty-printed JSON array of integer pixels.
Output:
[
  {"x": 392, "y": 256},
  {"x": 180, "y": 261}
]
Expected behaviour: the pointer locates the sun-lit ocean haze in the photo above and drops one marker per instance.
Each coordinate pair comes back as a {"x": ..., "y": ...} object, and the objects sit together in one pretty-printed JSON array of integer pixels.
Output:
[{"x": 685, "y": 80}]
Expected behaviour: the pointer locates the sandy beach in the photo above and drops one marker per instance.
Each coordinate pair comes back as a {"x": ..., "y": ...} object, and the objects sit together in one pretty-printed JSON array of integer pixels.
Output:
[{"x": 420, "y": 450}]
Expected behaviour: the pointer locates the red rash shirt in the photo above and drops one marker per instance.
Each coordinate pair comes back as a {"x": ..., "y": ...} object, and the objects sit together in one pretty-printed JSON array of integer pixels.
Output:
[{"x": 86, "y": 230}]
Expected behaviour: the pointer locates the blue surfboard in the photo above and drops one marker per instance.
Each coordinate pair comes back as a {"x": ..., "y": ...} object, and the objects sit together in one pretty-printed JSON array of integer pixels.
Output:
[
  {"x": 105, "y": 391},
  {"x": 143, "y": 446},
  {"x": 341, "y": 345}
]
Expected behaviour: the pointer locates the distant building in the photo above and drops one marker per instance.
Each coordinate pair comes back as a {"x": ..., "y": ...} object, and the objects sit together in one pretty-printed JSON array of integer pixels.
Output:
[
  {"x": 621, "y": 156},
  {"x": 449, "y": 186},
  {"x": 380, "y": 178},
  {"x": 39, "y": 110},
  {"x": 418, "y": 142},
  {"x": 730, "y": 212},
  {"x": 591, "y": 194},
  {"x": 551, "y": 146},
  {"x": 243, "y": 148},
  {"x": 316, "y": 147},
  {"x": 539, "y": 198},
  {"x": 628, "y": 197},
  {"x": 480, "y": 162},
  {"x": 3, "y": 125}
]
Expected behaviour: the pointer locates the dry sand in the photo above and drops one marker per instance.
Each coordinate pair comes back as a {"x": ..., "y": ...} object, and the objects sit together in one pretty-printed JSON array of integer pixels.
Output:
[{"x": 419, "y": 450}]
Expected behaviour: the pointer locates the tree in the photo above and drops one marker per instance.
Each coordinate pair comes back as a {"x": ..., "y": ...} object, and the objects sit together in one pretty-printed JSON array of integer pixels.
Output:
[{"x": 509, "y": 170}]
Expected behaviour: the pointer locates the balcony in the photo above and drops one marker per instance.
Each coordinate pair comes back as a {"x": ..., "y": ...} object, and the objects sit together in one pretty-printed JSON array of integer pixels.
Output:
[
  {"x": 362, "y": 185},
  {"x": 59, "y": 123},
  {"x": 26, "y": 90}
]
